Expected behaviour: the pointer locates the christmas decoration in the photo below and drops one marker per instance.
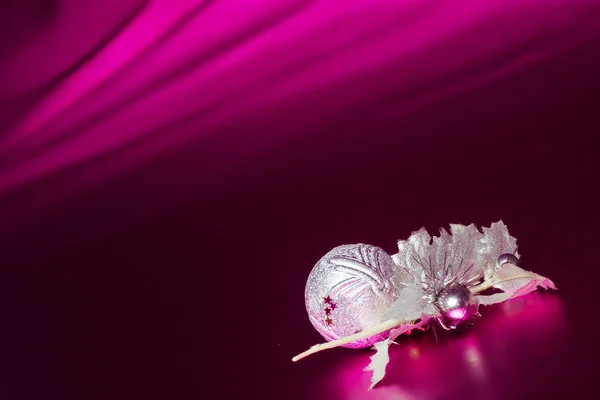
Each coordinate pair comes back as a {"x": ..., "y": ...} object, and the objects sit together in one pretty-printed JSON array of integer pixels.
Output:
[{"x": 359, "y": 296}]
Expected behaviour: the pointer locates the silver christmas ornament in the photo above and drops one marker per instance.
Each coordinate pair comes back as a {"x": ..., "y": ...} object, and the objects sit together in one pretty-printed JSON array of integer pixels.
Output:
[
  {"x": 348, "y": 291},
  {"x": 456, "y": 305},
  {"x": 507, "y": 258}
]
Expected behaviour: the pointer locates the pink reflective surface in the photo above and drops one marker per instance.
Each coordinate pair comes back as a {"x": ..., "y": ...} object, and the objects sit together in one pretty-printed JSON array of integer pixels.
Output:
[
  {"x": 516, "y": 336},
  {"x": 170, "y": 171}
]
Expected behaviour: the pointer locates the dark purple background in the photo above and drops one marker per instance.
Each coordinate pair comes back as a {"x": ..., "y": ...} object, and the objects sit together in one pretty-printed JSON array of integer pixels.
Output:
[{"x": 181, "y": 275}]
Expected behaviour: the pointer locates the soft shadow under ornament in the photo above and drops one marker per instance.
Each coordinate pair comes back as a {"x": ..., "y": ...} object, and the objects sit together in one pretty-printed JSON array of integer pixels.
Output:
[{"x": 359, "y": 296}]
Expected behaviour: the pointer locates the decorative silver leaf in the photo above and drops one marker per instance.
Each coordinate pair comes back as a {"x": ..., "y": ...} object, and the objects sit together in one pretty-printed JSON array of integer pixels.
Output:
[
  {"x": 514, "y": 282},
  {"x": 379, "y": 361},
  {"x": 465, "y": 255}
]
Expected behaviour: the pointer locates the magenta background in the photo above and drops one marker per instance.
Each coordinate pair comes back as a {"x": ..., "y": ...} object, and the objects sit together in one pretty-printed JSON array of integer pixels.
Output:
[{"x": 170, "y": 171}]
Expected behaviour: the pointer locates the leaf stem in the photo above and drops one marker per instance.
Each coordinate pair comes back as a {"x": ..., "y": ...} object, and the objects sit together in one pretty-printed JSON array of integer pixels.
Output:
[
  {"x": 492, "y": 283},
  {"x": 384, "y": 326}
]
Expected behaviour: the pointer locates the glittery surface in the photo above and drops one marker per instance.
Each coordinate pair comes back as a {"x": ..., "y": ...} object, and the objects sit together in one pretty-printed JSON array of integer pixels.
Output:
[
  {"x": 410, "y": 305},
  {"x": 349, "y": 289}
]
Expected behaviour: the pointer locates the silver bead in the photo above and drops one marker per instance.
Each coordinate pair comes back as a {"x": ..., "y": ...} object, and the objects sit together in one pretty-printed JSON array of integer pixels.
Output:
[
  {"x": 456, "y": 304},
  {"x": 507, "y": 258},
  {"x": 348, "y": 291}
]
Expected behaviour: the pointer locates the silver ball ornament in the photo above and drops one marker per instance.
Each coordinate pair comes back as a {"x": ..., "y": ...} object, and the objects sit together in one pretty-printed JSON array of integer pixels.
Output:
[
  {"x": 456, "y": 305},
  {"x": 508, "y": 258},
  {"x": 348, "y": 291}
]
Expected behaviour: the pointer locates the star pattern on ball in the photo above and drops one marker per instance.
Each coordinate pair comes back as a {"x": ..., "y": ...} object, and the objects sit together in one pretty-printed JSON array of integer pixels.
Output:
[{"x": 330, "y": 306}]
